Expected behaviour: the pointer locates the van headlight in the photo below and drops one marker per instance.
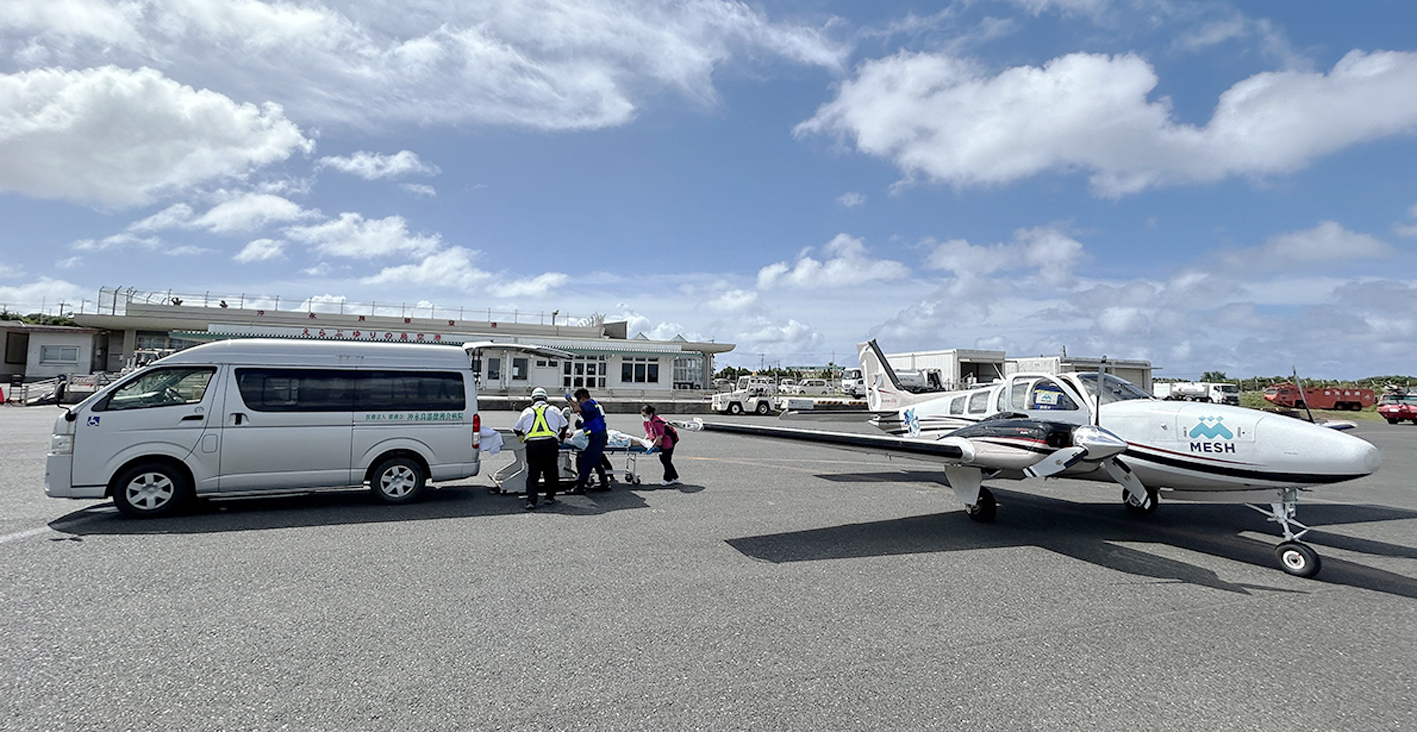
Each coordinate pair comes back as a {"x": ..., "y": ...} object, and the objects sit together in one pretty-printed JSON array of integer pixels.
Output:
[{"x": 61, "y": 445}]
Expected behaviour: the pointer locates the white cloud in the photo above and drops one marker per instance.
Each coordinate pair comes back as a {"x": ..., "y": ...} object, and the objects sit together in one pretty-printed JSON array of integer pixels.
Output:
[
  {"x": 733, "y": 300},
  {"x": 1326, "y": 242},
  {"x": 570, "y": 64},
  {"x": 537, "y": 286},
  {"x": 243, "y": 212},
  {"x": 372, "y": 166},
  {"x": 118, "y": 137},
  {"x": 260, "y": 250},
  {"x": 950, "y": 120},
  {"x": 418, "y": 189},
  {"x": 249, "y": 212},
  {"x": 851, "y": 199},
  {"x": 846, "y": 264},
  {"x": 44, "y": 293},
  {"x": 69, "y": 262},
  {"x": 118, "y": 241},
  {"x": 352, "y": 235},
  {"x": 452, "y": 267}
]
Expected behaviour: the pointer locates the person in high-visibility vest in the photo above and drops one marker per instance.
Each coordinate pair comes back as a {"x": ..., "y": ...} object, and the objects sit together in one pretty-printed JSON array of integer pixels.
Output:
[{"x": 542, "y": 429}]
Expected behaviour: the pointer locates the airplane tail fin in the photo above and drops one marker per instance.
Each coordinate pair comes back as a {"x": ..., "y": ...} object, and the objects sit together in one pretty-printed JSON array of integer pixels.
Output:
[{"x": 883, "y": 389}]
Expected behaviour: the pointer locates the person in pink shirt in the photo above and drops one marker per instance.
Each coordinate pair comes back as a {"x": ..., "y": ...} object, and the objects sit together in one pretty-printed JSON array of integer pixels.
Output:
[{"x": 664, "y": 438}]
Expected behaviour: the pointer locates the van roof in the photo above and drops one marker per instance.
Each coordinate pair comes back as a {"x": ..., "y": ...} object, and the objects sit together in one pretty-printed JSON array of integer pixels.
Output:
[{"x": 281, "y": 352}]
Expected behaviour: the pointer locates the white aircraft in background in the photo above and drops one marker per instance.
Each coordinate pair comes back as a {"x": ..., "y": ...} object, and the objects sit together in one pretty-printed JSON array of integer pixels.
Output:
[{"x": 1064, "y": 425}]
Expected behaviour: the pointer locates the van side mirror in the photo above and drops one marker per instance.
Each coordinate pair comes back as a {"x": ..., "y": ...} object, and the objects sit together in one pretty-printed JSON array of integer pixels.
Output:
[{"x": 69, "y": 415}]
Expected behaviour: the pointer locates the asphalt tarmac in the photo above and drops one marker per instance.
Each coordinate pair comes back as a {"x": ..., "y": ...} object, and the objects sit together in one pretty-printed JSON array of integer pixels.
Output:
[{"x": 783, "y": 587}]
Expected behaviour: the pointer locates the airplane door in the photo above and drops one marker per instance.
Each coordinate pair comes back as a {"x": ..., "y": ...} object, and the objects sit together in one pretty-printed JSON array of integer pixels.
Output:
[
  {"x": 1043, "y": 397},
  {"x": 162, "y": 411}
]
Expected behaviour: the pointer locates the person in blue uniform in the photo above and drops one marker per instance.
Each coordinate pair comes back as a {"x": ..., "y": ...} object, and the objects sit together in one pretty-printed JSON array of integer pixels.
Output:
[{"x": 593, "y": 422}]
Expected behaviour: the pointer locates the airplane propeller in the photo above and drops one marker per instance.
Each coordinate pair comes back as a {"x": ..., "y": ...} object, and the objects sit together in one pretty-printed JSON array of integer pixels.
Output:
[{"x": 1090, "y": 443}]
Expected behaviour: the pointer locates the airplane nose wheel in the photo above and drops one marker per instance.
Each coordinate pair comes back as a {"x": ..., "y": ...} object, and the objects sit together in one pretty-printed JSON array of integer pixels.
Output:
[
  {"x": 1294, "y": 557},
  {"x": 1298, "y": 559}
]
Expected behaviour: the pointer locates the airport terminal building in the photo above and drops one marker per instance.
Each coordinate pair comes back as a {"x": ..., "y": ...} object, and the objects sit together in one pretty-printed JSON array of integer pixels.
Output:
[{"x": 518, "y": 350}]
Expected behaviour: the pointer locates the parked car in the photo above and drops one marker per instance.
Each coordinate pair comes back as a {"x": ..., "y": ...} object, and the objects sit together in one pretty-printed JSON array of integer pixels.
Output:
[{"x": 1397, "y": 407}]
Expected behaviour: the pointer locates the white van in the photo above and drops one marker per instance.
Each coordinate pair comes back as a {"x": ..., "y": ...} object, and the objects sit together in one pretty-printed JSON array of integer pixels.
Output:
[{"x": 257, "y": 416}]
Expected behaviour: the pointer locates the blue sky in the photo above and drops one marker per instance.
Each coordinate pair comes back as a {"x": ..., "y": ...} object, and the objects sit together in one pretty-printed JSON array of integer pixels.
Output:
[{"x": 1187, "y": 182}]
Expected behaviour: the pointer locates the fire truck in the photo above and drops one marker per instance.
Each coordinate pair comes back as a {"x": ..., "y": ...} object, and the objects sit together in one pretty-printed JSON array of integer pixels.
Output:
[{"x": 1321, "y": 397}]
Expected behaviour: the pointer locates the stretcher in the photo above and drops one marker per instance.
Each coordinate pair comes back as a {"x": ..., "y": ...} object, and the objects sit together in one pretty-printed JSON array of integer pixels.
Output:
[
  {"x": 616, "y": 444},
  {"x": 511, "y": 478}
]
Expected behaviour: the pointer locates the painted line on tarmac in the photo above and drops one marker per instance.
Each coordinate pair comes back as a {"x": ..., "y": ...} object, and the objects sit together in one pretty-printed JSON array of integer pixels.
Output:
[
  {"x": 24, "y": 534},
  {"x": 63, "y": 524}
]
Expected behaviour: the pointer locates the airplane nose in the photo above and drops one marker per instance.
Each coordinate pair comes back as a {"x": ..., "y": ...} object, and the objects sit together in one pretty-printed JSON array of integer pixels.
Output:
[{"x": 1372, "y": 459}]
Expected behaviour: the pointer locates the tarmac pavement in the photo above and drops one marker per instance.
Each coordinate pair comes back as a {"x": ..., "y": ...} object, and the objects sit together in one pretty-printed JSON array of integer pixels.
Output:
[{"x": 782, "y": 587}]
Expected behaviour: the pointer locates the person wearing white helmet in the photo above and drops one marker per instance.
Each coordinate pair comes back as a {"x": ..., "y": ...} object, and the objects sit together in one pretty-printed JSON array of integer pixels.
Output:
[{"x": 542, "y": 429}]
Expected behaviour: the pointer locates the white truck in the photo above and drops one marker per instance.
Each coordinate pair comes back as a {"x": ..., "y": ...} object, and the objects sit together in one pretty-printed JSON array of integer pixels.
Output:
[
  {"x": 852, "y": 384},
  {"x": 752, "y": 394},
  {"x": 1197, "y": 391}
]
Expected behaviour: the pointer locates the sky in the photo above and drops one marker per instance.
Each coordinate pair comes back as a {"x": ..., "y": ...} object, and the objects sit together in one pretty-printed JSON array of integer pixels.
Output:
[{"x": 1191, "y": 183}]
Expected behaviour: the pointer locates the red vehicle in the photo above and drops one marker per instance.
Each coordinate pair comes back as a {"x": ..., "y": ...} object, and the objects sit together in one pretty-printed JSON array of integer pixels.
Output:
[
  {"x": 1397, "y": 407},
  {"x": 1321, "y": 397}
]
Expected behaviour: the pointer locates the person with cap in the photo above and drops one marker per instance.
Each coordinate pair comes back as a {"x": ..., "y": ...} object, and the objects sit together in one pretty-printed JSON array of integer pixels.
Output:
[
  {"x": 593, "y": 422},
  {"x": 542, "y": 429}
]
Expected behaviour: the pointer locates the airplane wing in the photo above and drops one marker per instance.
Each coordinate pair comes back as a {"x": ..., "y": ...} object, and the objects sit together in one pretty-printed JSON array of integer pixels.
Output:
[{"x": 1014, "y": 447}]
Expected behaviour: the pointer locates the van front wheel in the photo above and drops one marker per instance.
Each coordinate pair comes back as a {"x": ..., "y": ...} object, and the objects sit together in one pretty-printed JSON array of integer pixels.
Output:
[
  {"x": 152, "y": 489},
  {"x": 398, "y": 480}
]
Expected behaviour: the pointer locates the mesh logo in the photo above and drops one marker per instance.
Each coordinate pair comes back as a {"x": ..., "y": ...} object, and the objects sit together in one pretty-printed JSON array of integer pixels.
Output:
[{"x": 1211, "y": 427}]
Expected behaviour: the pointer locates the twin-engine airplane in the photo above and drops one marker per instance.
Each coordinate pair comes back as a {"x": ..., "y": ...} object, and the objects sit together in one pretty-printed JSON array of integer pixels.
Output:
[{"x": 1095, "y": 426}]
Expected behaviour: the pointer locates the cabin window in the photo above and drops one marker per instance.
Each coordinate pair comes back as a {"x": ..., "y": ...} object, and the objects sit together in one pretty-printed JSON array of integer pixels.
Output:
[
  {"x": 979, "y": 402},
  {"x": 957, "y": 406},
  {"x": 1018, "y": 395},
  {"x": 1002, "y": 403}
]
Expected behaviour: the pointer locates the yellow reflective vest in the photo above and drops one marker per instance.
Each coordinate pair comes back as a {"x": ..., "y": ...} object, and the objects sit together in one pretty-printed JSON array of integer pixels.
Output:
[{"x": 540, "y": 430}]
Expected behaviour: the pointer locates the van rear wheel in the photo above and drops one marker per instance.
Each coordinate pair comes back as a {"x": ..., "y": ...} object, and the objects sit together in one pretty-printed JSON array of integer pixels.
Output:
[
  {"x": 148, "y": 490},
  {"x": 398, "y": 480}
]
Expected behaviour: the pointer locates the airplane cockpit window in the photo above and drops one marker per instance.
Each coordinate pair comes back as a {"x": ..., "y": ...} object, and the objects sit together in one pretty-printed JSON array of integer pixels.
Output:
[
  {"x": 1113, "y": 388},
  {"x": 1048, "y": 395}
]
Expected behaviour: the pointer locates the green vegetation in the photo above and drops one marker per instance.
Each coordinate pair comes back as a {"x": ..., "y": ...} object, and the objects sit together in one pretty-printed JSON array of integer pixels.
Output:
[{"x": 37, "y": 318}]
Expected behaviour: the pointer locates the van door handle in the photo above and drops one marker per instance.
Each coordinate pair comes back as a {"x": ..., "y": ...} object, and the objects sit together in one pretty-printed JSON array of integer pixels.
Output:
[
  {"x": 191, "y": 417},
  {"x": 237, "y": 417}
]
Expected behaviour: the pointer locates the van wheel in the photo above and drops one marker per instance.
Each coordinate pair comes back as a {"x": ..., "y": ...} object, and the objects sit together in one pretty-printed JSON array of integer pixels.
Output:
[
  {"x": 149, "y": 490},
  {"x": 398, "y": 480}
]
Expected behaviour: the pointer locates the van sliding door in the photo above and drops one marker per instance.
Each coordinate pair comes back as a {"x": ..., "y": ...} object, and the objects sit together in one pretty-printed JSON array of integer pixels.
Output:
[{"x": 287, "y": 428}]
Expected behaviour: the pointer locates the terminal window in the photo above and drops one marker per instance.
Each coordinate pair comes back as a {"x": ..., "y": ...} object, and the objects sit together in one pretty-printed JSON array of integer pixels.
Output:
[{"x": 59, "y": 354}]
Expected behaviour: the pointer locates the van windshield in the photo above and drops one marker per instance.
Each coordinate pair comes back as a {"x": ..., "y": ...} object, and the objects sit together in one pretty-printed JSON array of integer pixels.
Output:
[{"x": 1113, "y": 388}]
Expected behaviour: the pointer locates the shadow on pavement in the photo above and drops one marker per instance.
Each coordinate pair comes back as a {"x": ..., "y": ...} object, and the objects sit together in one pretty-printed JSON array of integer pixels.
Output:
[
  {"x": 1094, "y": 533},
  {"x": 332, "y": 508}
]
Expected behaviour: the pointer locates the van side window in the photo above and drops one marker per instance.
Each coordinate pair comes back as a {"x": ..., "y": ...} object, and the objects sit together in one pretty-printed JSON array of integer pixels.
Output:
[
  {"x": 383, "y": 391},
  {"x": 160, "y": 388},
  {"x": 316, "y": 390},
  {"x": 296, "y": 390}
]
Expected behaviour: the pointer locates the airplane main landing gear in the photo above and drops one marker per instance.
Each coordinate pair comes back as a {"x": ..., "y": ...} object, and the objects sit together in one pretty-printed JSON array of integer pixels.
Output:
[
  {"x": 1146, "y": 505},
  {"x": 984, "y": 508},
  {"x": 1295, "y": 557}
]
